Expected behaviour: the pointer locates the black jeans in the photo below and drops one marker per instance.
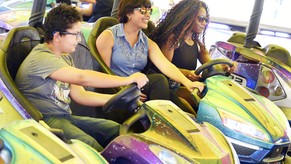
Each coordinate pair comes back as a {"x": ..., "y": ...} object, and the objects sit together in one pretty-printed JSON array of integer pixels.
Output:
[{"x": 158, "y": 89}]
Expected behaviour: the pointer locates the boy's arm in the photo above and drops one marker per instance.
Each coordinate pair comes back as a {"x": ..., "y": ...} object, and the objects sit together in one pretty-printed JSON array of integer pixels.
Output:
[
  {"x": 88, "y": 98},
  {"x": 96, "y": 79}
]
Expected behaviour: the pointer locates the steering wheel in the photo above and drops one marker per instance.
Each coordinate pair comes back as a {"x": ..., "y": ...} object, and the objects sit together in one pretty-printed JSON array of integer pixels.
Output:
[
  {"x": 208, "y": 70},
  {"x": 125, "y": 99}
]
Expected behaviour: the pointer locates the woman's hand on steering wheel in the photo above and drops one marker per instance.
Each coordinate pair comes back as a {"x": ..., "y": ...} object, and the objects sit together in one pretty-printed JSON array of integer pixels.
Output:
[
  {"x": 195, "y": 84},
  {"x": 143, "y": 97},
  {"x": 229, "y": 69},
  {"x": 192, "y": 76},
  {"x": 139, "y": 78}
]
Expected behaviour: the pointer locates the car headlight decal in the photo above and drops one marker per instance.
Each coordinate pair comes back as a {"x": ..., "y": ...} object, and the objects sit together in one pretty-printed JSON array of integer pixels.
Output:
[
  {"x": 267, "y": 76},
  {"x": 235, "y": 123},
  {"x": 167, "y": 156},
  {"x": 269, "y": 86}
]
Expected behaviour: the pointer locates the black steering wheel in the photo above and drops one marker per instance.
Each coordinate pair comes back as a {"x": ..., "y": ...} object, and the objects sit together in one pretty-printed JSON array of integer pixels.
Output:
[
  {"x": 125, "y": 99},
  {"x": 208, "y": 70}
]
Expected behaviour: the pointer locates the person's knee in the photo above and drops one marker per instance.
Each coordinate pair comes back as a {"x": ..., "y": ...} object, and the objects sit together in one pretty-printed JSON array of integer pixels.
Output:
[
  {"x": 111, "y": 133},
  {"x": 91, "y": 142},
  {"x": 115, "y": 131},
  {"x": 160, "y": 80},
  {"x": 56, "y": 122},
  {"x": 158, "y": 87}
]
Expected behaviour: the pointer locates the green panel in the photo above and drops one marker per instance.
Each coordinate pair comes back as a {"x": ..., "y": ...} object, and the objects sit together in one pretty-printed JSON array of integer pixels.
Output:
[{"x": 7, "y": 111}]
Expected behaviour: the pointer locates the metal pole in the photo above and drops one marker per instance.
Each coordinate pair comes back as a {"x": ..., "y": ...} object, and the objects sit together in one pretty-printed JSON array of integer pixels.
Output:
[
  {"x": 37, "y": 13},
  {"x": 254, "y": 22}
]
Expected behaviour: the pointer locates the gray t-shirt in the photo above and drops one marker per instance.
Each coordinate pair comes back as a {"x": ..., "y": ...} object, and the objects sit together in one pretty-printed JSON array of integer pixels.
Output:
[{"x": 51, "y": 97}]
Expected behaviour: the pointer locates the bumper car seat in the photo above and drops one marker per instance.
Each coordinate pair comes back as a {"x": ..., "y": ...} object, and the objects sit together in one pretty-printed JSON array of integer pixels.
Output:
[
  {"x": 16, "y": 46},
  {"x": 279, "y": 53}
]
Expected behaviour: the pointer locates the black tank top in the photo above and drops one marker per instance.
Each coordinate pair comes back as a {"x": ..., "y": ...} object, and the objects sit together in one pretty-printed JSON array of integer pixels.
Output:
[{"x": 186, "y": 56}]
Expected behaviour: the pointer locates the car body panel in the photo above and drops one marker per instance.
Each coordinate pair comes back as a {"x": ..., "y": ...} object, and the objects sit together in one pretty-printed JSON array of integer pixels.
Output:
[
  {"x": 172, "y": 130},
  {"x": 23, "y": 137},
  {"x": 10, "y": 109},
  {"x": 29, "y": 142},
  {"x": 250, "y": 121},
  {"x": 251, "y": 63}
]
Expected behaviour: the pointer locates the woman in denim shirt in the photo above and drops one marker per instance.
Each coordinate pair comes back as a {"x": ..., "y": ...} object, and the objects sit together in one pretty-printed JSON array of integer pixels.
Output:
[{"x": 126, "y": 50}]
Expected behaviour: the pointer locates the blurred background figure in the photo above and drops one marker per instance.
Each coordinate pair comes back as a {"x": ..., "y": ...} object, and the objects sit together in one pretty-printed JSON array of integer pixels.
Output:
[
  {"x": 68, "y": 2},
  {"x": 51, "y": 3},
  {"x": 95, "y": 9}
]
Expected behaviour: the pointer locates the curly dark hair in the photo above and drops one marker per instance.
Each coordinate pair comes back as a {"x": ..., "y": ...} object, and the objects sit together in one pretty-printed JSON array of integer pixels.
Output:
[
  {"x": 127, "y": 6},
  {"x": 176, "y": 21},
  {"x": 60, "y": 19}
]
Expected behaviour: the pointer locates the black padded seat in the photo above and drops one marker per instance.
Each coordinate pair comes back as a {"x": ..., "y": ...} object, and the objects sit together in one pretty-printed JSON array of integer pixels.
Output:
[
  {"x": 83, "y": 59},
  {"x": 15, "y": 47}
]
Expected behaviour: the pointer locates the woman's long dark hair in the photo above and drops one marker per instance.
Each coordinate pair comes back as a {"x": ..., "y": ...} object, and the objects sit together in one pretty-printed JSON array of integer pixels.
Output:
[{"x": 179, "y": 20}]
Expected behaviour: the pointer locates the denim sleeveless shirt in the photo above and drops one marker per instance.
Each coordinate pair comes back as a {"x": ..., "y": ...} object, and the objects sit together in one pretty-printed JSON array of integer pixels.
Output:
[{"x": 126, "y": 60}]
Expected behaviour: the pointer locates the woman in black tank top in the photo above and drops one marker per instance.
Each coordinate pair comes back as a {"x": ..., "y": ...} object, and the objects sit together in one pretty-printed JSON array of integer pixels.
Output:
[{"x": 180, "y": 35}]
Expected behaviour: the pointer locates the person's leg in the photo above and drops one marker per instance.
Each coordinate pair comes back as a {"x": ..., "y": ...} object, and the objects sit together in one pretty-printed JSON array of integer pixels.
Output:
[
  {"x": 182, "y": 103},
  {"x": 102, "y": 130},
  {"x": 157, "y": 88},
  {"x": 185, "y": 94},
  {"x": 71, "y": 131}
]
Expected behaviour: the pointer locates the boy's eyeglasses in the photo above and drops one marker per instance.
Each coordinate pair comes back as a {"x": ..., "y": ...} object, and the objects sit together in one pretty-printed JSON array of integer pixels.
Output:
[
  {"x": 201, "y": 19},
  {"x": 144, "y": 10},
  {"x": 78, "y": 34}
]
